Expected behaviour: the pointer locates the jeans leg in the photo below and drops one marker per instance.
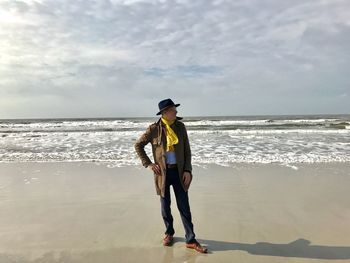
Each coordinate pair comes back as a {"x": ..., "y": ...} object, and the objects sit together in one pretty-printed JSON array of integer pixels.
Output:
[
  {"x": 166, "y": 211},
  {"x": 184, "y": 209}
]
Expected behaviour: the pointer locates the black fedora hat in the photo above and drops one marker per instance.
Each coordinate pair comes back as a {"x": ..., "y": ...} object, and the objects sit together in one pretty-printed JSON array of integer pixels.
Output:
[{"x": 164, "y": 104}]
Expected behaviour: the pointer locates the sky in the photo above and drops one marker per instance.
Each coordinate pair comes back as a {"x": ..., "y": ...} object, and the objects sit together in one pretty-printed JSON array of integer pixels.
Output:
[{"x": 119, "y": 58}]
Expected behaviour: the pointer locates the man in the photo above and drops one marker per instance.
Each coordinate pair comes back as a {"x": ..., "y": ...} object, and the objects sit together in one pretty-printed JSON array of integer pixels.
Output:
[{"x": 172, "y": 166}]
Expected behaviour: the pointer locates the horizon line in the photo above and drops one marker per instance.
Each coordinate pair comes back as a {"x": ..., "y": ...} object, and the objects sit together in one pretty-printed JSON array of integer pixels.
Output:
[{"x": 184, "y": 116}]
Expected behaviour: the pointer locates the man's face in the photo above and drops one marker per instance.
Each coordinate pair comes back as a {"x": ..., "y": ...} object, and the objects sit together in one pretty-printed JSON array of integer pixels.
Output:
[{"x": 170, "y": 113}]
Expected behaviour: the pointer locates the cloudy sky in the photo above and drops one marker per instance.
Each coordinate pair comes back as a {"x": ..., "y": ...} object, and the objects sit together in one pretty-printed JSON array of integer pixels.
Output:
[{"x": 118, "y": 58}]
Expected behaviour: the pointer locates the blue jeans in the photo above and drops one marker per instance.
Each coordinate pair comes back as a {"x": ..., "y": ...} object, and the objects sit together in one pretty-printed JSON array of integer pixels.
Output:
[{"x": 172, "y": 178}]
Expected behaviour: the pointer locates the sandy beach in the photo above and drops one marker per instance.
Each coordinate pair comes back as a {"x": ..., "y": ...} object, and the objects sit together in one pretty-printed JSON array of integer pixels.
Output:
[{"x": 88, "y": 212}]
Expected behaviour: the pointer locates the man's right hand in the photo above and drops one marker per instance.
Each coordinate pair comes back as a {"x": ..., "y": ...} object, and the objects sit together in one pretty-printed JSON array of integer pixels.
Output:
[{"x": 154, "y": 167}]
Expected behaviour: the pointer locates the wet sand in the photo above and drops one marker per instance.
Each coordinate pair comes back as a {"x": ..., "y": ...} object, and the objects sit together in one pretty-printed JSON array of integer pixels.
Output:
[{"x": 84, "y": 212}]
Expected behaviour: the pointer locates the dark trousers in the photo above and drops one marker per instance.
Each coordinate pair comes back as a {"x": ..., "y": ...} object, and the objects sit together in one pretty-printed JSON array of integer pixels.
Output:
[{"x": 172, "y": 178}]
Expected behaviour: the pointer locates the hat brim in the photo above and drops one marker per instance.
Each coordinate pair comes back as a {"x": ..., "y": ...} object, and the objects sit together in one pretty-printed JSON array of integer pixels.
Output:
[{"x": 160, "y": 112}]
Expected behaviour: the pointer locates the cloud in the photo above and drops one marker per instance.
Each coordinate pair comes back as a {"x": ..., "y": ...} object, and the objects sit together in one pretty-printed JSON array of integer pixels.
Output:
[
  {"x": 111, "y": 52},
  {"x": 183, "y": 71}
]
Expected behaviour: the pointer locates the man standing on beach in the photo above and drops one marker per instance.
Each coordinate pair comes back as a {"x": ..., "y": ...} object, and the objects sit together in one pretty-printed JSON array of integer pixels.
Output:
[{"x": 172, "y": 166}]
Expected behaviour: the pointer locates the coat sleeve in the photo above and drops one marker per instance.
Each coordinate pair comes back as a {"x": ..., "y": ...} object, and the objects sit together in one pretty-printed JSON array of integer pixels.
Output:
[
  {"x": 140, "y": 147},
  {"x": 188, "y": 156}
]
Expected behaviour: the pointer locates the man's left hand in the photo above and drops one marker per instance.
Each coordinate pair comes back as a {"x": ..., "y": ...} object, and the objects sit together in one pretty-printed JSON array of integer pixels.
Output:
[{"x": 186, "y": 178}]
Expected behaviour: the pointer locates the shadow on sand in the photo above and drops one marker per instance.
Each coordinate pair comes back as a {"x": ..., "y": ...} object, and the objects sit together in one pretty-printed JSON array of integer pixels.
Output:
[{"x": 299, "y": 248}]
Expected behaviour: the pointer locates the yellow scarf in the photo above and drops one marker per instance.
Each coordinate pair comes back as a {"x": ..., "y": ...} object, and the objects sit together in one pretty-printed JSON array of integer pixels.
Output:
[{"x": 171, "y": 137}]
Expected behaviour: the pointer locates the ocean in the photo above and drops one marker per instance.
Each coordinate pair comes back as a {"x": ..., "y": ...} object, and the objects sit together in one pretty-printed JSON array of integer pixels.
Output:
[{"x": 224, "y": 140}]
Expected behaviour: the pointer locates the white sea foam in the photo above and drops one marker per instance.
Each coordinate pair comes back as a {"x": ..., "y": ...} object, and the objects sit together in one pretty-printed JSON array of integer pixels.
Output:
[
  {"x": 72, "y": 126},
  {"x": 112, "y": 141},
  {"x": 225, "y": 122},
  {"x": 258, "y": 122},
  {"x": 256, "y": 132}
]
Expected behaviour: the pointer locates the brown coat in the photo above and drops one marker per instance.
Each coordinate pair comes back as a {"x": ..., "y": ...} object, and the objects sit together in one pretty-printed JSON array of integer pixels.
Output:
[{"x": 155, "y": 134}]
